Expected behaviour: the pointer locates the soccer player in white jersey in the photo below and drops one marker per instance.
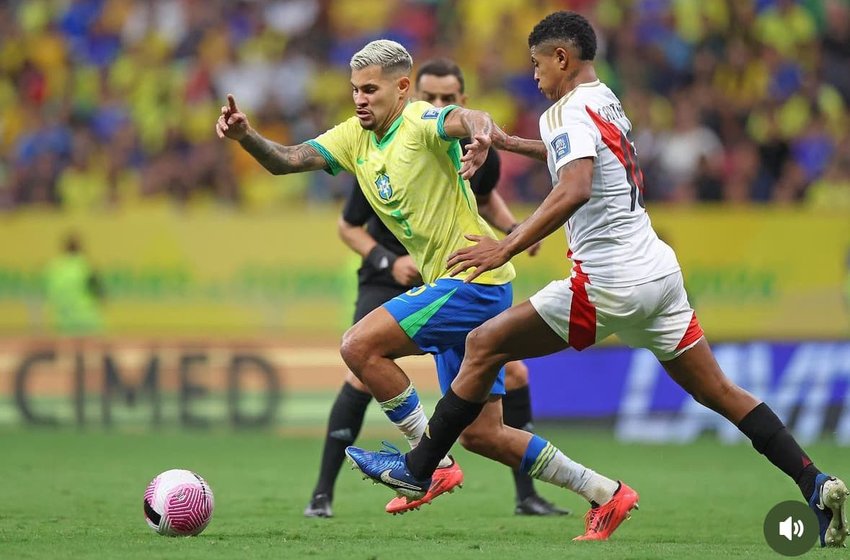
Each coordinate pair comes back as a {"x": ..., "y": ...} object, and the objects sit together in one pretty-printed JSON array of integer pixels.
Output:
[{"x": 624, "y": 281}]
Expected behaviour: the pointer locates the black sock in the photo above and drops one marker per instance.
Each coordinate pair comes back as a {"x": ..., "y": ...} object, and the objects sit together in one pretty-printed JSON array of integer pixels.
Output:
[
  {"x": 344, "y": 425},
  {"x": 772, "y": 439},
  {"x": 516, "y": 410},
  {"x": 451, "y": 416}
]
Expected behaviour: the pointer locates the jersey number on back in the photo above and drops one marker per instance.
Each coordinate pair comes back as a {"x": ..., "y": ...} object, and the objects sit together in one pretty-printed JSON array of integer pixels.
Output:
[
  {"x": 624, "y": 150},
  {"x": 633, "y": 173}
]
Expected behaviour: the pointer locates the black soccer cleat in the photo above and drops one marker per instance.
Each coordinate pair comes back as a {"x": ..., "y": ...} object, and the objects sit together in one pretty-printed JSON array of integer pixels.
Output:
[
  {"x": 537, "y": 505},
  {"x": 319, "y": 506}
]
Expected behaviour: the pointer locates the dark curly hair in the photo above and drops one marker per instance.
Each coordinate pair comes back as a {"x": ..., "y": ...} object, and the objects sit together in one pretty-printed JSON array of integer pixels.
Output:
[{"x": 567, "y": 27}]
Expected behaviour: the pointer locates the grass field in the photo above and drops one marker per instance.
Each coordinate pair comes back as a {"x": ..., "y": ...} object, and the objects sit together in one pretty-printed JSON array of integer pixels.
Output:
[{"x": 78, "y": 494}]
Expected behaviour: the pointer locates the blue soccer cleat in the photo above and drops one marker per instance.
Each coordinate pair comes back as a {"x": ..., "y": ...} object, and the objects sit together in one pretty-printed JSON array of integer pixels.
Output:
[
  {"x": 827, "y": 502},
  {"x": 389, "y": 468}
]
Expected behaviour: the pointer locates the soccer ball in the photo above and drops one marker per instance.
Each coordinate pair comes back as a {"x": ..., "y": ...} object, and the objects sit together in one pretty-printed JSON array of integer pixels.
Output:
[{"x": 178, "y": 503}]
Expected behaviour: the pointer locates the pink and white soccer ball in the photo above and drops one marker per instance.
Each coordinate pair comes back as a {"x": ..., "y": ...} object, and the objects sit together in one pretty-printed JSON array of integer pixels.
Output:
[{"x": 178, "y": 503}]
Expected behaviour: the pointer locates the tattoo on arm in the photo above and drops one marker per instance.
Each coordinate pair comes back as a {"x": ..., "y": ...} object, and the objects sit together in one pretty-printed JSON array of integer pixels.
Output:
[
  {"x": 279, "y": 159},
  {"x": 476, "y": 122},
  {"x": 466, "y": 123}
]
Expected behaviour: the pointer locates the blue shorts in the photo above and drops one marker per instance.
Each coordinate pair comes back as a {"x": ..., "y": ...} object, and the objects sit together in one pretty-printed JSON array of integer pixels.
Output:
[{"x": 439, "y": 315}]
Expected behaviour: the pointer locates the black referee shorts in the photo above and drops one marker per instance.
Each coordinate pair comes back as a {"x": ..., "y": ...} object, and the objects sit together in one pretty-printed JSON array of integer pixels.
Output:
[{"x": 372, "y": 296}]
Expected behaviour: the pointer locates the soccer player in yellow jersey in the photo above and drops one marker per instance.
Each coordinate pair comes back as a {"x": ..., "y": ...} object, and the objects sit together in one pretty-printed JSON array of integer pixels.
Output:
[
  {"x": 388, "y": 271},
  {"x": 408, "y": 163}
]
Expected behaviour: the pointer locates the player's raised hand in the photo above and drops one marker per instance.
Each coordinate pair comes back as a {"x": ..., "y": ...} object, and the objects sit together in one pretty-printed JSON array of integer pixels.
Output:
[
  {"x": 486, "y": 254},
  {"x": 232, "y": 123},
  {"x": 476, "y": 154}
]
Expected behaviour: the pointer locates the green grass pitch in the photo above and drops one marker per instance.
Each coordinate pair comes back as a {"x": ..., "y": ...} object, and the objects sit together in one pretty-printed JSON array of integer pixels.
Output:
[{"x": 78, "y": 494}]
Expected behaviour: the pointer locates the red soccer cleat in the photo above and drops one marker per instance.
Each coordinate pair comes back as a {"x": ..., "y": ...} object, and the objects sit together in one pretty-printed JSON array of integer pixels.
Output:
[
  {"x": 601, "y": 521},
  {"x": 444, "y": 479}
]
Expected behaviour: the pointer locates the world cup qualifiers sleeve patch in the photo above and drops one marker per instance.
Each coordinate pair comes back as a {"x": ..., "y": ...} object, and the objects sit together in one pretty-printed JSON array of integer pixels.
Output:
[
  {"x": 431, "y": 114},
  {"x": 561, "y": 145}
]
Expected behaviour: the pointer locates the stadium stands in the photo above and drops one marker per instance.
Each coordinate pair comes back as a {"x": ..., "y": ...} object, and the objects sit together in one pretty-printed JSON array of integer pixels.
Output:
[{"x": 109, "y": 102}]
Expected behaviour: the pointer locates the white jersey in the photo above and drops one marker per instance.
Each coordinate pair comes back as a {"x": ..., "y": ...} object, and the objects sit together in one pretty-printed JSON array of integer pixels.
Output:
[{"x": 611, "y": 238}]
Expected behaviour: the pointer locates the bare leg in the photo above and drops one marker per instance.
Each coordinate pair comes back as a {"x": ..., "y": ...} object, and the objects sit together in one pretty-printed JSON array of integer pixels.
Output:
[
  {"x": 369, "y": 348},
  {"x": 489, "y": 437},
  {"x": 352, "y": 380},
  {"x": 516, "y": 375},
  {"x": 698, "y": 373},
  {"x": 514, "y": 334}
]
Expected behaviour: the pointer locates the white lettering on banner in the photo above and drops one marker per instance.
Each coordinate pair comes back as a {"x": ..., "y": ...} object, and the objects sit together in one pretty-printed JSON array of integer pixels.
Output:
[
  {"x": 842, "y": 435},
  {"x": 634, "y": 421},
  {"x": 814, "y": 369},
  {"x": 805, "y": 385}
]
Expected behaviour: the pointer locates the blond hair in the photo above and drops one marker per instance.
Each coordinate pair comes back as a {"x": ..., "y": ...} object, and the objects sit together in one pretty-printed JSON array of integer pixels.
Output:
[{"x": 389, "y": 55}]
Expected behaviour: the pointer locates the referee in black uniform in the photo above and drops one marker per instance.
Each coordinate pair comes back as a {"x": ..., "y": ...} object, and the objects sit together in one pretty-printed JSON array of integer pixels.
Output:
[{"x": 388, "y": 271}]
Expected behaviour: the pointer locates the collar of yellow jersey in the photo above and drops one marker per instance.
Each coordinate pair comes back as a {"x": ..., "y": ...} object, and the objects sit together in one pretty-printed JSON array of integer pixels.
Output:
[{"x": 389, "y": 135}]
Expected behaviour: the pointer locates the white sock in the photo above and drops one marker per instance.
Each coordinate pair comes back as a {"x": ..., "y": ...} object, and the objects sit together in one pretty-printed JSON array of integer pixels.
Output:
[
  {"x": 556, "y": 468},
  {"x": 406, "y": 412},
  {"x": 444, "y": 462}
]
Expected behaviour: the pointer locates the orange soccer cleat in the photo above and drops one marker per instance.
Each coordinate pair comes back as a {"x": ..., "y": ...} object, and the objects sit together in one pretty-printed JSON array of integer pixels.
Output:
[
  {"x": 444, "y": 479},
  {"x": 601, "y": 521}
]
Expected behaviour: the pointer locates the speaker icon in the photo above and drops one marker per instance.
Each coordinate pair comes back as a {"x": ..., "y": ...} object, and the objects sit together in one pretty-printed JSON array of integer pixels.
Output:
[
  {"x": 791, "y": 528},
  {"x": 798, "y": 528}
]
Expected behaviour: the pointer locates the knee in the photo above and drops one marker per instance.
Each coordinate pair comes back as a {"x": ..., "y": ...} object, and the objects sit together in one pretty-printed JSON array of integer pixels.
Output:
[
  {"x": 354, "y": 350},
  {"x": 482, "y": 343}
]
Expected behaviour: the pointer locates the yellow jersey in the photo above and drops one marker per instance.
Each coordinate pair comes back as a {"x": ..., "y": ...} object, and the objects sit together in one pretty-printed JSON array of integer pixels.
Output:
[{"x": 411, "y": 180}]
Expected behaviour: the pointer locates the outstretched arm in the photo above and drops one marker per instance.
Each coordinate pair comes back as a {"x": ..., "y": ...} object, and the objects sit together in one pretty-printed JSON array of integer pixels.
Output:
[
  {"x": 276, "y": 158},
  {"x": 571, "y": 193},
  {"x": 534, "y": 149},
  {"x": 279, "y": 159},
  {"x": 468, "y": 123},
  {"x": 479, "y": 127}
]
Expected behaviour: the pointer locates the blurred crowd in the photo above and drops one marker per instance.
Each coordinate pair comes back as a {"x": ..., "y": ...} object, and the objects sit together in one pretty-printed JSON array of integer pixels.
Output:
[{"x": 106, "y": 104}]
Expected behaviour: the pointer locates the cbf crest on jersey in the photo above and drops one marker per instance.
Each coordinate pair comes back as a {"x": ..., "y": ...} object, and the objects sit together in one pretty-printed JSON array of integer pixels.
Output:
[
  {"x": 385, "y": 189},
  {"x": 561, "y": 145},
  {"x": 432, "y": 113}
]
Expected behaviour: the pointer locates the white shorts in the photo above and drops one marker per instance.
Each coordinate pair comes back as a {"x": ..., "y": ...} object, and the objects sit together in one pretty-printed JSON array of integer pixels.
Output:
[{"x": 655, "y": 315}]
